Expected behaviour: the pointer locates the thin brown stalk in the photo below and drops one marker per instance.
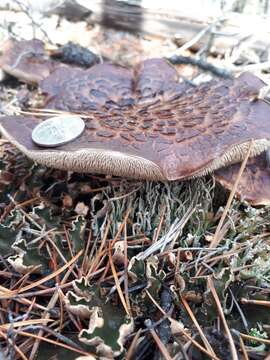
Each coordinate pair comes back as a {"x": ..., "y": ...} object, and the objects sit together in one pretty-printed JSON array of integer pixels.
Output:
[
  {"x": 217, "y": 238},
  {"x": 46, "y": 278},
  {"x": 249, "y": 337},
  {"x": 126, "y": 270},
  {"x": 41, "y": 338},
  {"x": 117, "y": 284},
  {"x": 35, "y": 293},
  {"x": 68, "y": 241},
  {"x": 100, "y": 251},
  {"x": 61, "y": 305},
  {"x": 243, "y": 348},
  {"x": 17, "y": 349},
  {"x": 133, "y": 345},
  {"x": 121, "y": 226},
  {"x": 256, "y": 302},
  {"x": 28, "y": 302},
  {"x": 195, "y": 343},
  {"x": 114, "y": 241},
  {"x": 160, "y": 345},
  {"x": 52, "y": 243},
  {"x": 193, "y": 318},
  {"x": 52, "y": 302},
  {"x": 24, "y": 323},
  {"x": 156, "y": 236},
  {"x": 221, "y": 314},
  {"x": 23, "y": 279},
  {"x": 29, "y": 201},
  {"x": 85, "y": 256}
]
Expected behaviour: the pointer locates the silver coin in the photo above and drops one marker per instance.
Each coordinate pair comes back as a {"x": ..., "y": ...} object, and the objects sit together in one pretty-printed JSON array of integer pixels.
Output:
[{"x": 58, "y": 130}]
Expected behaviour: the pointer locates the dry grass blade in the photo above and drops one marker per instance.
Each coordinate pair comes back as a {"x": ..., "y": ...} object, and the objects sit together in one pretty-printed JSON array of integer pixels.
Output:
[
  {"x": 168, "y": 240},
  {"x": 115, "y": 239},
  {"x": 216, "y": 238},
  {"x": 155, "y": 303},
  {"x": 46, "y": 313},
  {"x": 133, "y": 344},
  {"x": 4, "y": 290},
  {"x": 126, "y": 271},
  {"x": 182, "y": 331},
  {"x": 160, "y": 345},
  {"x": 56, "y": 343},
  {"x": 17, "y": 349},
  {"x": 100, "y": 252},
  {"x": 249, "y": 337},
  {"x": 47, "y": 278},
  {"x": 24, "y": 323},
  {"x": 44, "y": 112},
  {"x": 244, "y": 351},
  {"x": 256, "y": 302},
  {"x": 203, "y": 337},
  {"x": 221, "y": 314},
  {"x": 117, "y": 284},
  {"x": 194, "y": 342}
]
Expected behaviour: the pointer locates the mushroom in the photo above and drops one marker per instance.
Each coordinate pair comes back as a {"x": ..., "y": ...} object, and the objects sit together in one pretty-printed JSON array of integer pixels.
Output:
[
  {"x": 26, "y": 60},
  {"x": 254, "y": 185},
  {"x": 144, "y": 124}
]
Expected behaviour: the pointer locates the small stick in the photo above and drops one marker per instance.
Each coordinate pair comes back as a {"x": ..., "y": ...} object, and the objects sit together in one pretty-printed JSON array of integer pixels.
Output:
[
  {"x": 126, "y": 270},
  {"x": 46, "y": 278},
  {"x": 249, "y": 337},
  {"x": 118, "y": 287},
  {"x": 216, "y": 239},
  {"x": 194, "y": 342},
  {"x": 255, "y": 302},
  {"x": 133, "y": 344},
  {"x": 244, "y": 351},
  {"x": 221, "y": 314},
  {"x": 202, "y": 64},
  {"x": 203, "y": 337},
  {"x": 41, "y": 338},
  {"x": 17, "y": 349},
  {"x": 159, "y": 343}
]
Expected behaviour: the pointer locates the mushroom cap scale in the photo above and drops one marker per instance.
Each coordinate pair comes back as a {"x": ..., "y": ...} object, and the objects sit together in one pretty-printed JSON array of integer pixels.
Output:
[{"x": 144, "y": 124}]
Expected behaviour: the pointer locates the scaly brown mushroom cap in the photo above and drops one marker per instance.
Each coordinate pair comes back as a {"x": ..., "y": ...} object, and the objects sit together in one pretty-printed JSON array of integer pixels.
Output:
[
  {"x": 26, "y": 60},
  {"x": 144, "y": 124},
  {"x": 254, "y": 185}
]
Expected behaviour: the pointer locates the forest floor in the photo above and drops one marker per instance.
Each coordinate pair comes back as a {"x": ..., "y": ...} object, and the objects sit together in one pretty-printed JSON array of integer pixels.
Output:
[{"x": 96, "y": 266}]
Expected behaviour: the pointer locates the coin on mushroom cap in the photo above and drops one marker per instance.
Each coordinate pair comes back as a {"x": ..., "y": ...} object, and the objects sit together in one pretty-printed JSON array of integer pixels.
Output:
[{"x": 58, "y": 130}]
